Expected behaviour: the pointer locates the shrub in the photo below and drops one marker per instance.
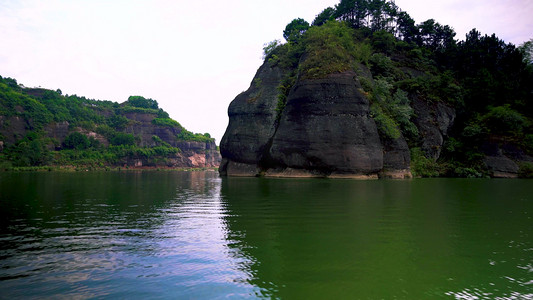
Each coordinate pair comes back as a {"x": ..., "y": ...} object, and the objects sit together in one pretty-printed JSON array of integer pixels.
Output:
[
  {"x": 77, "y": 141},
  {"x": 186, "y": 135},
  {"x": 503, "y": 119},
  {"x": 381, "y": 65},
  {"x": 525, "y": 170},
  {"x": 118, "y": 121},
  {"x": 141, "y": 102},
  {"x": 386, "y": 125},
  {"x": 363, "y": 52},
  {"x": 423, "y": 166},
  {"x": 166, "y": 122},
  {"x": 329, "y": 49},
  {"x": 383, "y": 41},
  {"x": 122, "y": 139}
]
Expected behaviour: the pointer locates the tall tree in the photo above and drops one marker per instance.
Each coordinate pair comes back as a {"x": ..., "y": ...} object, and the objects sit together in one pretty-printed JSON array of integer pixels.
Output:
[
  {"x": 406, "y": 27},
  {"x": 352, "y": 11},
  {"x": 294, "y": 30},
  {"x": 326, "y": 15}
]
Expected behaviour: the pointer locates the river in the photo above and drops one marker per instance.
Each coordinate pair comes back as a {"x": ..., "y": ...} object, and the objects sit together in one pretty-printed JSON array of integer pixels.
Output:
[{"x": 194, "y": 235}]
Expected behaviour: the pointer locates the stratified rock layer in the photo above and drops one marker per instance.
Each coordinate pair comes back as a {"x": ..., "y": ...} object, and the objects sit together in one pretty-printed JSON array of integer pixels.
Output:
[
  {"x": 326, "y": 127},
  {"x": 325, "y": 130}
]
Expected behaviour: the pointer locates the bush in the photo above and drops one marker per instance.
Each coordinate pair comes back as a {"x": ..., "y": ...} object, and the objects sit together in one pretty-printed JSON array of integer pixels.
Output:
[
  {"x": 77, "y": 141},
  {"x": 166, "y": 122},
  {"x": 141, "y": 102},
  {"x": 383, "y": 41},
  {"x": 422, "y": 166},
  {"x": 118, "y": 121},
  {"x": 363, "y": 52},
  {"x": 329, "y": 49},
  {"x": 381, "y": 65},
  {"x": 122, "y": 139},
  {"x": 525, "y": 170},
  {"x": 386, "y": 125},
  {"x": 503, "y": 119},
  {"x": 186, "y": 135}
]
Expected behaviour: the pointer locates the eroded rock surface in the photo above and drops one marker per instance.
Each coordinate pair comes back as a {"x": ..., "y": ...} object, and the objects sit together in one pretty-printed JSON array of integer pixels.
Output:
[{"x": 325, "y": 130}]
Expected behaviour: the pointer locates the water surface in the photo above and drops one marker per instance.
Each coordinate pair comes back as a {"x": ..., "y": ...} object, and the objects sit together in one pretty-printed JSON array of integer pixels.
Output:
[{"x": 184, "y": 235}]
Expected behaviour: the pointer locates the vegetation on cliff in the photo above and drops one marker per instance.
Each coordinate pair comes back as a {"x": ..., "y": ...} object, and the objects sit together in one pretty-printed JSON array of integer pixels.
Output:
[
  {"x": 43, "y": 127},
  {"x": 488, "y": 82}
]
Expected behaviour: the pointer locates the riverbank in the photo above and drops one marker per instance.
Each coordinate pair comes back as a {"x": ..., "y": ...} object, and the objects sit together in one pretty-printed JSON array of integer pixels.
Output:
[{"x": 92, "y": 168}]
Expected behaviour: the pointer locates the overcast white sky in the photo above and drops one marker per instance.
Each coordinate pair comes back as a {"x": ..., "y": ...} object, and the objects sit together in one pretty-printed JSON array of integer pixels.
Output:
[{"x": 193, "y": 57}]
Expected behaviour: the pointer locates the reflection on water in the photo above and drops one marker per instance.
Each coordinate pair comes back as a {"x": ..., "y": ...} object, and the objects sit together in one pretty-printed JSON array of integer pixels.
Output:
[
  {"x": 195, "y": 235},
  {"x": 463, "y": 239},
  {"x": 116, "y": 235}
]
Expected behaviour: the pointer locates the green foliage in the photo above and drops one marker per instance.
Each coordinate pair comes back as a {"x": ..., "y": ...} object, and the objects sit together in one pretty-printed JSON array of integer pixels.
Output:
[
  {"x": 504, "y": 120},
  {"x": 525, "y": 170},
  {"x": 76, "y": 140},
  {"x": 141, "y": 102},
  {"x": 39, "y": 107},
  {"x": 385, "y": 123},
  {"x": 402, "y": 112},
  {"x": 141, "y": 110},
  {"x": 166, "y": 122},
  {"x": 283, "y": 91},
  {"x": 295, "y": 29},
  {"x": 421, "y": 166},
  {"x": 159, "y": 141},
  {"x": 186, "y": 135},
  {"x": 118, "y": 121},
  {"x": 329, "y": 49},
  {"x": 121, "y": 138},
  {"x": 392, "y": 112},
  {"x": 381, "y": 65},
  {"x": 29, "y": 151},
  {"x": 526, "y": 49},
  {"x": 14, "y": 102},
  {"x": 327, "y": 14},
  {"x": 466, "y": 172},
  {"x": 363, "y": 52},
  {"x": 268, "y": 48},
  {"x": 383, "y": 41}
]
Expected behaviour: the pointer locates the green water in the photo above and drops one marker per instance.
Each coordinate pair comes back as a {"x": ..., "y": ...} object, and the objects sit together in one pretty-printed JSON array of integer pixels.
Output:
[{"x": 193, "y": 235}]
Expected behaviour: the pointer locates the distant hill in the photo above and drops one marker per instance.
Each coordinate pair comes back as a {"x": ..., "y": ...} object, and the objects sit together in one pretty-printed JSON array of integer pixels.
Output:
[
  {"x": 363, "y": 91},
  {"x": 41, "y": 127}
]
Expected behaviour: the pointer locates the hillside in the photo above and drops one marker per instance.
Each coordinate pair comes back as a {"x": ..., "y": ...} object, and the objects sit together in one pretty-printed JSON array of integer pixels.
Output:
[
  {"x": 40, "y": 127},
  {"x": 364, "y": 92}
]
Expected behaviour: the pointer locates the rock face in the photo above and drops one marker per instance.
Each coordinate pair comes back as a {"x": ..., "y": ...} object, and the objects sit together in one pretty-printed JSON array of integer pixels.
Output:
[
  {"x": 325, "y": 130},
  {"x": 193, "y": 154},
  {"x": 433, "y": 121},
  {"x": 252, "y": 124},
  {"x": 501, "y": 158}
]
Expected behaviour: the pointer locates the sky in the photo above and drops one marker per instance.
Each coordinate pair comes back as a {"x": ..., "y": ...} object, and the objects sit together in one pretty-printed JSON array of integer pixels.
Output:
[{"x": 193, "y": 57}]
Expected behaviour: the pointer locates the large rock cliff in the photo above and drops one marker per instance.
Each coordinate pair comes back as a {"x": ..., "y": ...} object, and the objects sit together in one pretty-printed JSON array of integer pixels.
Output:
[{"x": 326, "y": 129}]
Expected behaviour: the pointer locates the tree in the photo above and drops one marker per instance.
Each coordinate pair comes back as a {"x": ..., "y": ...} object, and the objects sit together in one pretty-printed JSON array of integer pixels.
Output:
[
  {"x": 294, "y": 30},
  {"x": 268, "y": 48},
  {"x": 77, "y": 141},
  {"x": 327, "y": 14},
  {"x": 406, "y": 27},
  {"x": 526, "y": 49},
  {"x": 141, "y": 102},
  {"x": 352, "y": 11}
]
